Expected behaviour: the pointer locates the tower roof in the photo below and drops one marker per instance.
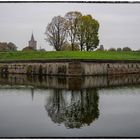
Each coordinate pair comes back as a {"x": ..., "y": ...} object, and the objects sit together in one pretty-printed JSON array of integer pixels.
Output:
[{"x": 32, "y": 37}]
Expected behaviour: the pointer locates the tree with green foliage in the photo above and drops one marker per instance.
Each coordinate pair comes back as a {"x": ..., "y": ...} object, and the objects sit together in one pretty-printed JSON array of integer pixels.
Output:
[
  {"x": 91, "y": 34},
  {"x": 88, "y": 32},
  {"x": 12, "y": 46},
  {"x": 56, "y": 32}
]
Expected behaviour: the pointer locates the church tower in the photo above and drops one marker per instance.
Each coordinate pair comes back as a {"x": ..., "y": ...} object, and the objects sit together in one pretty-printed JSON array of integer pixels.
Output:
[{"x": 32, "y": 42}]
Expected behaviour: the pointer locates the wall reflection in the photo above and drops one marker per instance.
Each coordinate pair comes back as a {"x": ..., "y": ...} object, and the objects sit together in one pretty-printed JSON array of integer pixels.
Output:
[
  {"x": 72, "y": 83},
  {"x": 74, "y": 100},
  {"x": 74, "y": 109}
]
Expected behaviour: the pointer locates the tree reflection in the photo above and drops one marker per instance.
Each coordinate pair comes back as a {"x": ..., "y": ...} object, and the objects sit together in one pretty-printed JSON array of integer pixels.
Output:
[{"x": 73, "y": 108}]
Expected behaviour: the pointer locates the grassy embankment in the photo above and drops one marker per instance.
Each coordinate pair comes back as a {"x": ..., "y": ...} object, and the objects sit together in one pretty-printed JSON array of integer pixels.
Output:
[{"x": 69, "y": 55}]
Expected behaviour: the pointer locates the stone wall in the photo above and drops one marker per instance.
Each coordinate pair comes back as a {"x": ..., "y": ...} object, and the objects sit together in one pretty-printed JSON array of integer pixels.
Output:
[
  {"x": 35, "y": 68},
  {"x": 123, "y": 68},
  {"x": 70, "y": 67},
  {"x": 94, "y": 68}
]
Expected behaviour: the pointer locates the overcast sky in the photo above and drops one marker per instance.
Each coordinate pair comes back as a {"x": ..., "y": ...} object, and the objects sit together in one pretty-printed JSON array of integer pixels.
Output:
[{"x": 119, "y": 23}]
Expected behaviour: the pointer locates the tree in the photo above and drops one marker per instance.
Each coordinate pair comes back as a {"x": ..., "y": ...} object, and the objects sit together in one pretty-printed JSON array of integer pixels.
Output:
[
  {"x": 80, "y": 33},
  {"x": 4, "y": 46},
  {"x": 91, "y": 34},
  {"x": 75, "y": 29},
  {"x": 88, "y": 32},
  {"x": 56, "y": 32},
  {"x": 12, "y": 46},
  {"x": 72, "y": 26},
  {"x": 126, "y": 49}
]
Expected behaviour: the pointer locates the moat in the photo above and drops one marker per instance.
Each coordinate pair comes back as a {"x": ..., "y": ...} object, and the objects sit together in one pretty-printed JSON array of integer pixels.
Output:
[{"x": 52, "y": 106}]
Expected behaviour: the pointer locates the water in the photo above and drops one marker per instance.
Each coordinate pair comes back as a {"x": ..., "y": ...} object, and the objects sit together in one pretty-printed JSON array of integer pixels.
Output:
[{"x": 98, "y": 106}]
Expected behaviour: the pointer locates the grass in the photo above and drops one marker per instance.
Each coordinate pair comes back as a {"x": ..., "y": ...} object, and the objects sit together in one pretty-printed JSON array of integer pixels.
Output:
[{"x": 69, "y": 55}]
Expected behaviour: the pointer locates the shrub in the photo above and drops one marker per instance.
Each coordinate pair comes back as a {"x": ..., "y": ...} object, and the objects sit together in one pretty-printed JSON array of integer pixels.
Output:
[
  {"x": 119, "y": 49},
  {"x": 112, "y": 49}
]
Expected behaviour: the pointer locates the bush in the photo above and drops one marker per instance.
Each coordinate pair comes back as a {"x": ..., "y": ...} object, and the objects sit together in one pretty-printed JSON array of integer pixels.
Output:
[
  {"x": 119, "y": 49},
  {"x": 67, "y": 47},
  {"x": 112, "y": 49},
  {"x": 28, "y": 48}
]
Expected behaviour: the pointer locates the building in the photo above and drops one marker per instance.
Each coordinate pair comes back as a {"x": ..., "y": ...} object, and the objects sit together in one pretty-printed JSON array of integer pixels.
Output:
[{"x": 33, "y": 43}]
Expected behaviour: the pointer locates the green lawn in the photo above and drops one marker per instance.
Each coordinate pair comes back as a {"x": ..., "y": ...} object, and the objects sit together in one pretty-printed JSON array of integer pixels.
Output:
[{"x": 69, "y": 55}]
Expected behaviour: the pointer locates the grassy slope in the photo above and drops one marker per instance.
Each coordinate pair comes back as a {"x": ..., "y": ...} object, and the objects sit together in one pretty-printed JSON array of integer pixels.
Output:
[{"x": 69, "y": 55}]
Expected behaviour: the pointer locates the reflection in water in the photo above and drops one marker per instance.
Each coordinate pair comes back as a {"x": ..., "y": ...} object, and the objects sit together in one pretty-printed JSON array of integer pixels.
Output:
[
  {"x": 69, "y": 110},
  {"x": 71, "y": 83},
  {"x": 32, "y": 93},
  {"x": 74, "y": 109},
  {"x": 74, "y": 101}
]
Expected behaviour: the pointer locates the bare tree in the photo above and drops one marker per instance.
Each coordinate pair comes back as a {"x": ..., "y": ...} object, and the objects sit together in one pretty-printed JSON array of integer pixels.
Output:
[
  {"x": 56, "y": 32},
  {"x": 72, "y": 24}
]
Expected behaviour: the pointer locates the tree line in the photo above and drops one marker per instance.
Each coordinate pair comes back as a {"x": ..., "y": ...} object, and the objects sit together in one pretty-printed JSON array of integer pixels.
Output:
[
  {"x": 4, "y": 46},
  {"x": 74, "y": 31},
  {"x": 101, "y": 48}
]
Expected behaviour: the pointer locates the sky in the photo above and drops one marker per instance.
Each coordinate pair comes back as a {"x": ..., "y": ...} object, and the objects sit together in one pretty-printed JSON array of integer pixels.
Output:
[{"x": 119, "y": 23}]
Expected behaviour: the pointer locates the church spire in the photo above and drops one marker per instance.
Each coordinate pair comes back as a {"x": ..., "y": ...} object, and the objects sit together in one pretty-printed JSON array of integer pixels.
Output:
[
  {"x": 32, "y": 37},
  {"x": 32, "y": 42}
]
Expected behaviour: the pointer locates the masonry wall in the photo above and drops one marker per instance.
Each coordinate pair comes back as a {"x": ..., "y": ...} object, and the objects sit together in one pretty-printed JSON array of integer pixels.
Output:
[
  {"x": 35, "y": 68},
  {"x": 70, "y": 67},
  {"x": 110, "y": 68}
]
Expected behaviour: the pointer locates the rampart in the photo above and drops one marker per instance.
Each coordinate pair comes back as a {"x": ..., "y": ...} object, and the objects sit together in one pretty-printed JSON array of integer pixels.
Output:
[{"x": 70, "y": 67}]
